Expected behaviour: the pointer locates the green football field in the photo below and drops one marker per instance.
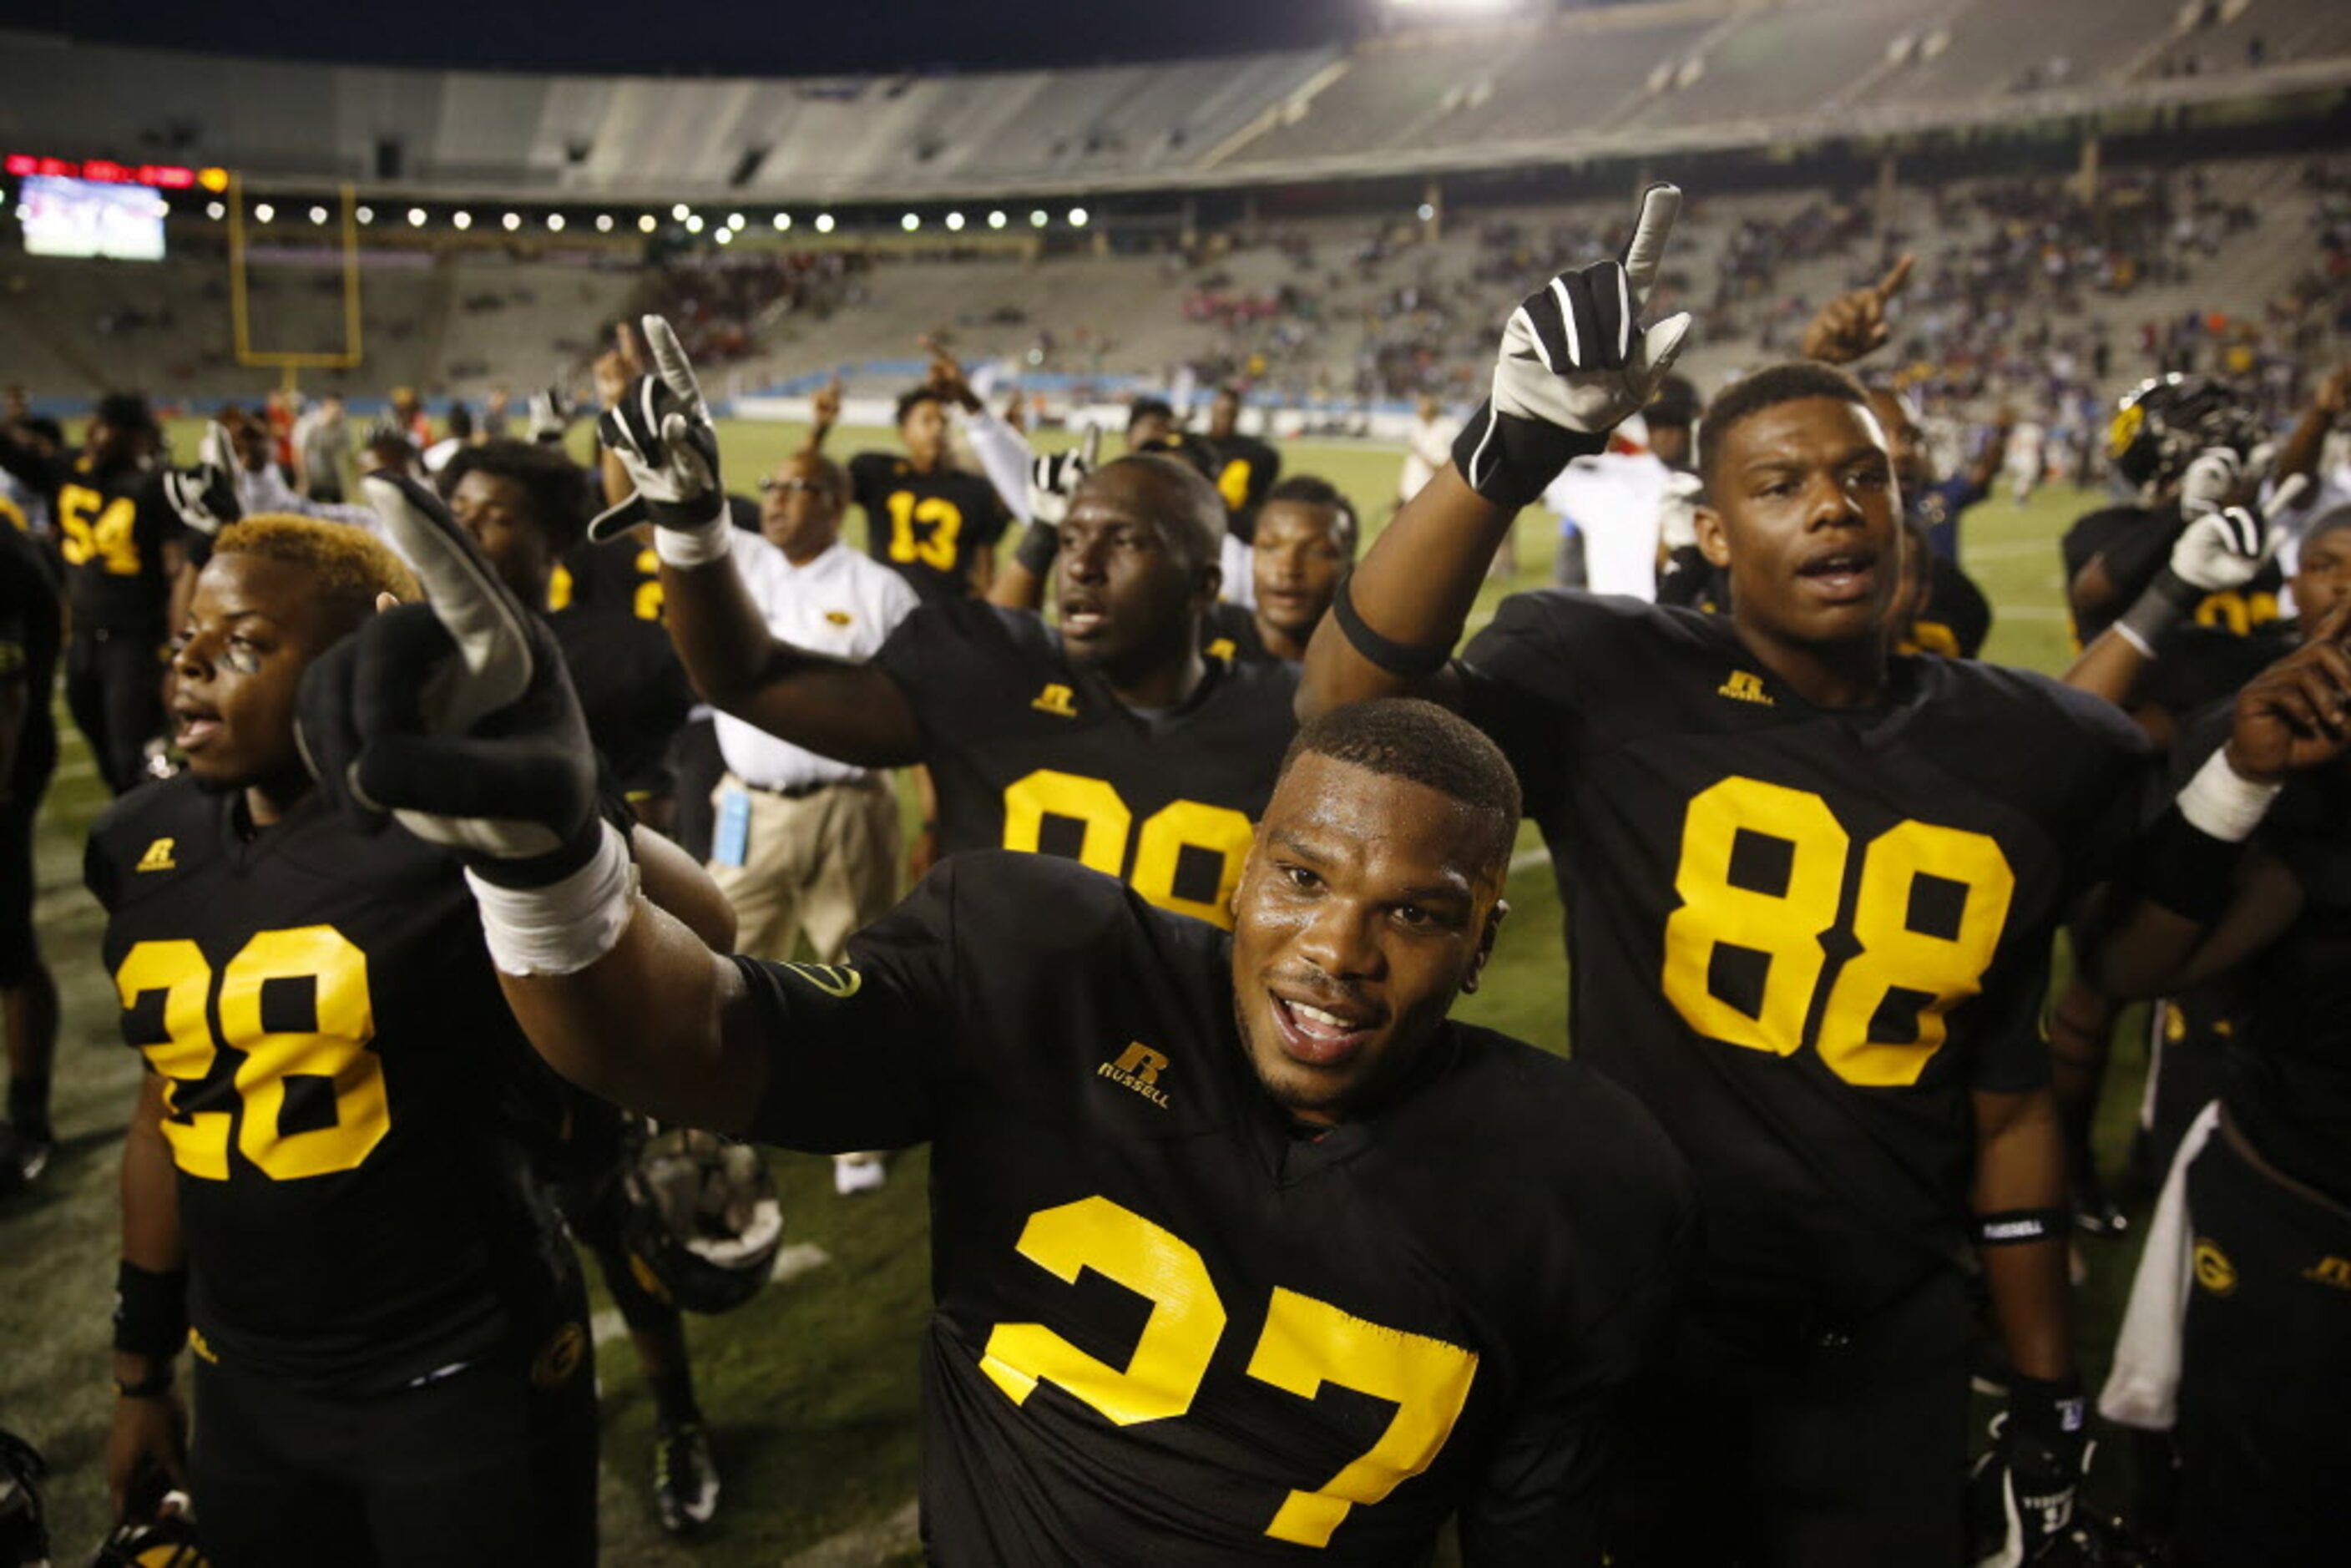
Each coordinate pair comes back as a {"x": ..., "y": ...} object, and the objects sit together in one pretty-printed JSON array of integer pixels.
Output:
[{"x": 811, "y": 1389}]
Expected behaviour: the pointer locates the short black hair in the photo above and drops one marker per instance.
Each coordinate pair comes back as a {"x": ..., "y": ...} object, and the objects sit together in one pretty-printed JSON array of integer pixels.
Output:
[
  {"x": 47, "y": 429},
  {"x": 2328, "y": 521},
  {"x": 461, "y": 421},
  {"x": 1406, "y": 737},
  {"x": 1676, "y": 403},
  {"x": 124, "y": 411},
  {"x": 1179, "y": 448},
  {"x": 914, "y": 398},
  {"x": 1314, "y": 490},
  {"x": 558, "y": 487},
  {"x": 1790, "y": 382},
  {"x": 1142, "y": 408}
]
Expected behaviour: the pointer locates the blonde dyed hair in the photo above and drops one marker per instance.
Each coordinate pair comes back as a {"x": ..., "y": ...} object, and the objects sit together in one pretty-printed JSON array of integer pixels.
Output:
[{"x": 351, "y": 564}]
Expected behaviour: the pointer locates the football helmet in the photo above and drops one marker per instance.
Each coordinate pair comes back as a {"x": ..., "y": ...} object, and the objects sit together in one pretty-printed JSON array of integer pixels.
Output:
[
  {"x": 23, "y": 1524},
  {"x": 2163, "y": 422},
  {"x": 699, "y": 1217},
  {"x": 166, "y": 1540}
]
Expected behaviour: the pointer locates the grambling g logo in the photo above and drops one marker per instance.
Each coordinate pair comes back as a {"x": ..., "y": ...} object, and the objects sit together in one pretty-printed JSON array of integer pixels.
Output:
[
  {"x": 1138, "y": 1068},
  {"x": 2214, "y": 1269},
  {"x": 838, "y": 981}
]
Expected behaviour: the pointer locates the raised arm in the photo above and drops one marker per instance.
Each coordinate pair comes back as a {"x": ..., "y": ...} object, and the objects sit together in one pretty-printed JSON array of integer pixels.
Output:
[
  {"x": 1051, "y": 479},
  {"x": 660, "y": 432},
  {"x": 1574, "y": 360},
  {"x": 1853, "y": 324}
]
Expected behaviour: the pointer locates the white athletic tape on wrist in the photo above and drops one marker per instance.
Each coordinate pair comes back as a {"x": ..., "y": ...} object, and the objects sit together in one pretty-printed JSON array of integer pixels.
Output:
[
  {"x": 2224, "y": 804},
  {"x": 561, "y": 928},
  {"x": 699, "y": 546}
]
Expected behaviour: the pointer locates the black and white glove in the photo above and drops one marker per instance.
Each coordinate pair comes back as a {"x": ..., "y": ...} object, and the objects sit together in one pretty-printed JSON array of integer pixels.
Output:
[
  {"x": 456, "y": 717},
  {"x": 661, "y": 432},
  {"x": 2209, "y": 480},
  {"x": 549, "y": 414},
  {"x": 1575, "y": 361},
  {"x": 2219, "y": 550},
  {"x": 1054, "y": 477},
  {"x": 204, "y": 496},
  {"x": 2022, "y": 1492}
]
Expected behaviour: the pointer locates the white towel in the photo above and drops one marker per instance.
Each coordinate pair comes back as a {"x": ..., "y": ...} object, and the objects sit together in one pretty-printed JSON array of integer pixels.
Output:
[{"x": 2143, "y": 1390}]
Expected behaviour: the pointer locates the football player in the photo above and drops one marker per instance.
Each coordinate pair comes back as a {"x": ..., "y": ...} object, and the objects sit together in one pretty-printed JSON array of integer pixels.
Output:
[
  {"x": 1246, "y": 467},
  {"x": 2238, "y": 1336},
  {"x": 30, "y": 632},
  {"x": 329, "y": 1184},
  {"x": 126, "y": 577},
  {"x": 1303, "y": 544},
  {"x": 936, "y": 524},
  {"x": 1240, "y": 1245},
  {"x": 1112, "y": 739},
  {"x": 1810, "y": 891}
]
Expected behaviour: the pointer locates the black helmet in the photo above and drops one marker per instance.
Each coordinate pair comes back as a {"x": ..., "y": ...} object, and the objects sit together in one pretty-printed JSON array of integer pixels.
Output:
[
  {"x": 2163, "y": 422},
  {"x": 700, "y": 1217}
]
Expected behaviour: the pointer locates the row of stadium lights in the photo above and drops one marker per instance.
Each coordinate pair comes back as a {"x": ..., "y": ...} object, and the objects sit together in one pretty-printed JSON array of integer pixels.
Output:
[{"x": 693, "y": 222}]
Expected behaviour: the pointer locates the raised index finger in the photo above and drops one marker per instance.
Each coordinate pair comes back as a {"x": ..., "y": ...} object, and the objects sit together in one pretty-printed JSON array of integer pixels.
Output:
[
  {"x": 1891, "y": 283},
  {"x": 1660, "y": 204},
  {"x": 670, "y": 363}
]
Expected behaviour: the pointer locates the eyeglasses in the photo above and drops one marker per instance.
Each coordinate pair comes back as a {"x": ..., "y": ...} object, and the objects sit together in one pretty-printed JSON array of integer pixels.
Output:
[{"x": 793, "y": 487}]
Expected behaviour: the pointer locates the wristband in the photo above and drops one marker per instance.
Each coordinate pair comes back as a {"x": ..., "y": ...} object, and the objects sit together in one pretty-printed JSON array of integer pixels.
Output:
[
  {"x": 2047, "y": 1408},
  {"x": 564, "y": 926},
  {"x": 154, "y": 1386},
  {"x": 2224, "y": 803},
  {"x": 150, "y": 1311},
  {"x": 1038, "y": 548},
  {"x": 2165, "y": 602},
  {"x": 1512, "y": 460},
  {"x": 696, "y": 544},
  {"x": 1399, "y": 659},
  {"x": 2015, "y": 1226},
  {"x": 2186, "y": 870}
]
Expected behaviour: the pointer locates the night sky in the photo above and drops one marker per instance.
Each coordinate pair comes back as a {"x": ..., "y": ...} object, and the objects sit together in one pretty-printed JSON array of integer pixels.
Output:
[{"x": 704, "y": 37}]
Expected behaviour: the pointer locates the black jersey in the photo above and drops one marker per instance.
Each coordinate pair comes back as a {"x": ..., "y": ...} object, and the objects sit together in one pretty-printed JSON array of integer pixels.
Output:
[
  {"x": 2135, "y": 542},
  {"x": 350, "y": 1103},
  {"x": 634, "y": 691},
  {"x": 620, "y": 576},
  {"x": 1229, "y": 631},
  {"x": 1028, "y": 751},
  {"x": 1246, "y": 469},
  {"x": 1168, "y": 1328},
  {"x": 2291, "y": 1090},
  {"x": 112, "y": 529},
  {"x": 1801, "y": 936},
  {"x": 2197, "y": 666},
  {"x": 1956, "y": 618},
  {"x": 927, "y": 528},
  {"x": 30, "y": 631}
]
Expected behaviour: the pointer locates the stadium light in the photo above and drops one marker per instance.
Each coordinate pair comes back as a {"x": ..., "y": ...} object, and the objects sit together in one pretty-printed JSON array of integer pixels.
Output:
[
  {"x": 783, "y": 223},
  {"x": 733, "y": 220},
  {"x": 317, "y": 215},
  {"x": 824, "y": 222},
  {"x": 694, "y": 223},
  {"x": 1077, "y": 217},
  {"x": 954, "y": 221},
  {"x": 555, "y": 223},
  {"x": 996, "y": 219},
  {"x": 678, "y": 212},
  {"x": 366, "y": 214},
  {"x": 604, "y": 223},
  {"x": 1036, "y": 219},
  {"x": 416, "y": 217},
  {"x": 1425, "y": 212},
  {"x": 263, "y": 212},
  {"x": 910, "y": 223},
  {"x": 647, "y": 224},
  {"x": 461, "y": 219},
  {"x": 214, "y": 211},
  {"x": 725, "y": 236},
  {"x": 512, "y": 222}
]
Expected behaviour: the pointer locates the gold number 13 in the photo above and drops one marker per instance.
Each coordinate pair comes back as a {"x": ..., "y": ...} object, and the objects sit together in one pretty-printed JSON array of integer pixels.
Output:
[
  {"x": 1304, "y": 1344},
  {"x": 935, "y": 545},
  {"x": 336, "y": 1051},
  {"x": 1786, "y": 927}
]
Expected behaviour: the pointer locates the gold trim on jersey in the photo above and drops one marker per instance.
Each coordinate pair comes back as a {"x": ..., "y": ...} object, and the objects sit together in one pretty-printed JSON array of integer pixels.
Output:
[{"x": 1056, "y": 699}]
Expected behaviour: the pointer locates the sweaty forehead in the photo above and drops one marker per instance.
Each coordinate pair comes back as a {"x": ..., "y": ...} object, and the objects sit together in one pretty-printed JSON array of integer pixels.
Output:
[
  {"x": 1811, "y": 428},
  {"x": 1354, "y": 812},
  {"x": 244, "y": 584}
]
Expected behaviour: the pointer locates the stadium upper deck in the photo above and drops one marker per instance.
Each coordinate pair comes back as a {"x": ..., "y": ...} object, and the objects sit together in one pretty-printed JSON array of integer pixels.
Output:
[{"x": 1676, "y": 74}]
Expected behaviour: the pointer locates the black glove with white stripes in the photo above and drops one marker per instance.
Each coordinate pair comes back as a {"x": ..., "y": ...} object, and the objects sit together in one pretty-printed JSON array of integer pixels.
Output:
[{"x": 1575, "y": 361}]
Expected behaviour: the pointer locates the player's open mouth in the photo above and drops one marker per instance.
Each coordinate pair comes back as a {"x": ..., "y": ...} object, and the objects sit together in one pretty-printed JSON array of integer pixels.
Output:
[
  {"x": 198, "y": 728},
  {"x": 1318, "y": 1036},
  {"x": 1842, "y": 576},
  {"x": 1082, "y": 618}
]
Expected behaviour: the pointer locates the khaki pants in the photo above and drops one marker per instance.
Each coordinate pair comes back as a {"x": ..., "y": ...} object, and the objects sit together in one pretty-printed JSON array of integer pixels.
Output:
[{"x": 825, "y": 863}]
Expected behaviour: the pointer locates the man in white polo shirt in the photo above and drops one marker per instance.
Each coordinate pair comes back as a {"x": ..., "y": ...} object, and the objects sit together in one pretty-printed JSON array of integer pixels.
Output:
[{"x": 804, "y": 843}]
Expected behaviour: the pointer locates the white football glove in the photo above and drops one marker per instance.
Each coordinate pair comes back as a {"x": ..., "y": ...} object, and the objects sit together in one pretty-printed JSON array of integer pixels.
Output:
[
  {"x": 205, "y": 497},
  {"x": 661, "y": 432},
  {"x": 1054, "y": 477},
  {"x": 2227, "y": 548},
  {"x": 551, "y": 414},
  {"x": 2212, "y": 474},
  {"x": 1574, "y": 361}
]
